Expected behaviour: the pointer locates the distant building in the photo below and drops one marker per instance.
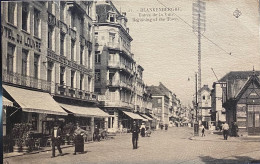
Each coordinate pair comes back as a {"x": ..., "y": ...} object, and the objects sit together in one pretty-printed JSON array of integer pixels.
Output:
[{"x": 204, "y": 115}]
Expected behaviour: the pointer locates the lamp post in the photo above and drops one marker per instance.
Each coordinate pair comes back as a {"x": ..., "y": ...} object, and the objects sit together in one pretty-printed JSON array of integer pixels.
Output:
[{"x": 196, "y": 125}]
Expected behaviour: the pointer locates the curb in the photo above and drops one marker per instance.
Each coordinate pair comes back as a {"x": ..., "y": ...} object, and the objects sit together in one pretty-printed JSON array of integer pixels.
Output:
[
  {"x": 221, "y": 140},
  {"x": 44, "y": 150}
]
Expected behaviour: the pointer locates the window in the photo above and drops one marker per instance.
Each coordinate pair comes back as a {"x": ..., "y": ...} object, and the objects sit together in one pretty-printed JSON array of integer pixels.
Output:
[
  {"x": 159, "y": 101},
  {"x": 82, "y": 26},
  {"x": 62, "y": 71},
  {"x": 72, "y": 79},
  {"x": 97, "y": 75},
  {"x": 24, "y": 62},
  {"x": 96, "y": 37},
  {"x": 11, "y": 11},
  {"x": 10, "y": 57},
  {"x": 111, "y": 37},
  {"x": 98, "y": 90},
  {"x": 34, "y": 121},
  {"x": 36, "y": 22},
  {"x": 25, "y": 15},
  {"x": 50, "y": 6},
  {"x": 89, "y": 59},
  {"x": 36, "y": 66},
  {"x": 81, "y": 54},
  {"x": 72, "y": 49},
  {"x": 50, "y": 31},
  {"x": 111, "y": 17},
  {"x": 62, "y": 7},
  {"x": 203, "y": 97},
  {"x": 62, "y": 36},
  {"x": 81, "y": 81},
  {"x": 97, "y": 58},
  {"x": 89, "y": 83},
  {"x": 49, "y": 71}
]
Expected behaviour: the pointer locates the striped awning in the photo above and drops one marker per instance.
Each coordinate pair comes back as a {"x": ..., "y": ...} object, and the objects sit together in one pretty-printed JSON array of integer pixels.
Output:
[{"x": 145, "y": 116}]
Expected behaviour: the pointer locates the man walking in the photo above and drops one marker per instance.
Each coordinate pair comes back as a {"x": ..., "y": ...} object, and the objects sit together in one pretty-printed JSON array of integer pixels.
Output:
[
  {"x": 135, "y": 133},
  {"x": 56, "y": 139},
  {"x": 225, "y": 128}
]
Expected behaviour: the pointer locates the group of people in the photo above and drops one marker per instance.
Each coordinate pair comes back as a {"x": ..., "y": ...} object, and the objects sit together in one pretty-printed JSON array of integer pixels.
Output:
[
  {"x": 78, "y": 139},
  {"x": 135, "y": 133},
  {"x": 225, "y": 128}
]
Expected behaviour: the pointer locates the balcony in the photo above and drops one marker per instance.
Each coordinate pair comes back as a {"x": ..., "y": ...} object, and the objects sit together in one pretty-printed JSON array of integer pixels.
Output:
[
  {"x": 72, "y": 33},
  {"x": 63, "y": 27},
  {"x": 27, "y": 81},
  {"x": 66, "y": 91},
  {"x": 113, "y": 45},
  {"x": 82, "y": 40},
  {"x": 51, "y": 19},
  {"x": 117, "y": 83},
  {"x": 118, "y": 104}
]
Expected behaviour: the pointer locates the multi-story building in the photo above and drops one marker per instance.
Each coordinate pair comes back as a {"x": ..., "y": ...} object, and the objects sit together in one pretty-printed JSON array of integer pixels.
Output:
[
  {"x": 218, "y": 93},
  {"x": 204, "y": 113},
  {"x": 116, "y": 72},
  {"x": 160, "y": 102},
  {"x": 48, "y": 62}
]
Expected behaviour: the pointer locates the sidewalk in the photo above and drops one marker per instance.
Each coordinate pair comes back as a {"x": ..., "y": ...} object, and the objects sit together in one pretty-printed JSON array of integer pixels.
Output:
[{"x": 217, "y": 136}]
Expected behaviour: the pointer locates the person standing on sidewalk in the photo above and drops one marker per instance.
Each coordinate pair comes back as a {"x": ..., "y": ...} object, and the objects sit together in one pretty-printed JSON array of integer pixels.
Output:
[
  {"x": 79, "y": 140},
  {"x": 225, "y": 129},
  {"x": 135, "y": 133},
  {"x": 203, "y": 131},
  {"x": 56, "y": 139}
]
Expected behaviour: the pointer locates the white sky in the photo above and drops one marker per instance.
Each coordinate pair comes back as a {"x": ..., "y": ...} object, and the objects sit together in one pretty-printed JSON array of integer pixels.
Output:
[{"x": 168, "y": 49}]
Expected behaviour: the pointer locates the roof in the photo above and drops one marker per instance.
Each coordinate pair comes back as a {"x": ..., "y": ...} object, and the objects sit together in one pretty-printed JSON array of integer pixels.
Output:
[
  {"x": 252, "y": 78},
  {"x": 238, "y": 75},
  {"x": 34, "y": 101},
  {"x": 85, "y": 111},
  {"x": 205, "y": 87},
  {"x": 155, "y": 90}
]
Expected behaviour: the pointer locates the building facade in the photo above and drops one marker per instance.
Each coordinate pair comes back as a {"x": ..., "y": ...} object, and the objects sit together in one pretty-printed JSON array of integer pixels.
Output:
[
  {"x": 48, "y": 63},
  {"x": 118, "y": 79},
  {"x": 242, "y": 101}
]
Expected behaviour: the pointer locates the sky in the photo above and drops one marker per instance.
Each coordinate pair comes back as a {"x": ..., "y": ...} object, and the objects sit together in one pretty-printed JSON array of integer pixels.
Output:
[{"x": 167, "y": 48}]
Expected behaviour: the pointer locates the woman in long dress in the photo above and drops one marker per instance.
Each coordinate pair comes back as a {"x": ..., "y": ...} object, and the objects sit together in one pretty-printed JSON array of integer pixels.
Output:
[{"x": 79, "y": 140}]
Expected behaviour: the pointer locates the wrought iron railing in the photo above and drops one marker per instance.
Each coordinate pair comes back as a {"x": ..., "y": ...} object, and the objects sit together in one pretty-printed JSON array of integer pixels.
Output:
[{"x": 27, "y": 81}]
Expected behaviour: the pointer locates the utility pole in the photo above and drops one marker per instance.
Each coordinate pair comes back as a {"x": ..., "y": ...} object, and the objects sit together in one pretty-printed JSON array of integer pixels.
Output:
[{"x": 199, "y": 26}]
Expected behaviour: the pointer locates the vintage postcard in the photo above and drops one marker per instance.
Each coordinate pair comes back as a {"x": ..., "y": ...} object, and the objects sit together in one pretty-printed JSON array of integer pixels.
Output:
[{"x": 130, "y": 81}]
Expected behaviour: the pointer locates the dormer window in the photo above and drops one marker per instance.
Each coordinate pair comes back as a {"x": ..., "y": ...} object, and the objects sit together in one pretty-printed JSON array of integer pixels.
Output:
[{"x": 111, "y": 17}]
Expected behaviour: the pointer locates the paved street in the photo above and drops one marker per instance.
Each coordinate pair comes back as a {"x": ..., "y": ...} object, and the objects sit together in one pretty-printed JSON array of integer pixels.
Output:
[{"x": 172, "y": 146}]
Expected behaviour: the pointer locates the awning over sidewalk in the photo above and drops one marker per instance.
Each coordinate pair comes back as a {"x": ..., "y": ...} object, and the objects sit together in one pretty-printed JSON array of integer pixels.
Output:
[
  {"x": 7, "y": 102},
  {"x": 134, "y": 116},
  {"x": 85, "y": 111},
  {"x": 148, "y": 118},
  {"x": 154, "y": 117},
  {"x": 33, "y": 101}
]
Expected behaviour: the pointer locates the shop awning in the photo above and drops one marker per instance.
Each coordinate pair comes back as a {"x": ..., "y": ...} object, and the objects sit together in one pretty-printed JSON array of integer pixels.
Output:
[
  {"x": 154, "y": 117},
  {"x": 148, "y": 118},
  {"x": 85, "y": 111},
  {"x": 33, "y": 101},
  {"x": 134, "y": 116},
  {"x": 7, "y": 102}
]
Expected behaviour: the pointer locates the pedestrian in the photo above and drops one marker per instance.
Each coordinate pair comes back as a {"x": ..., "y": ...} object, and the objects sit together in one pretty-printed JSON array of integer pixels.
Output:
[
  {"x": 78, "y": 139},
  {"x": 234, "y": 129},
  {"x": 96, "y": 134},
  {"x": 56, "y": 139},
  {"x": 142, "y": 130},
  {"x": 135, "y": 132},
  {"x": 225, "y": 129},
  {"x": 203, "y": 131}
]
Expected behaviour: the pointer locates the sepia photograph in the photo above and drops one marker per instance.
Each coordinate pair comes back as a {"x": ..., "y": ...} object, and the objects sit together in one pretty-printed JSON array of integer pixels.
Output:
[{"x": 130, "y": 81}]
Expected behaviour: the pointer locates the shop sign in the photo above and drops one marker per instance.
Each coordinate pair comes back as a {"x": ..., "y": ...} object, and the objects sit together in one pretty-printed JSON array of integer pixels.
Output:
[{"x": 22, "y": 39}]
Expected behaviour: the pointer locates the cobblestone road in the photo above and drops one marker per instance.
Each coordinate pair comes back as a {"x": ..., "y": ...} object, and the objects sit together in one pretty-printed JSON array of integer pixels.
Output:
[{"x": 172, "y": 146}]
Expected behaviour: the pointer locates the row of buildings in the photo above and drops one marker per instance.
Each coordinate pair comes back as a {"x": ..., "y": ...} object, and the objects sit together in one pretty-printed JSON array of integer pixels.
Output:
[
  {"x": 71, "y": 61},
  {"x": 235, "y": 98}
]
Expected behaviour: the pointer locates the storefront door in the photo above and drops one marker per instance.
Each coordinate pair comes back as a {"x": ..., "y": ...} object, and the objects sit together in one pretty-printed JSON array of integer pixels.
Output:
[{"x": 253, "y": 119}]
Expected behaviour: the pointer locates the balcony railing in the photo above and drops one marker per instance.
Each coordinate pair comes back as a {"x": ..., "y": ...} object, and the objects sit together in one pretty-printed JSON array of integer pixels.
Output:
[
  {"x": 28, "y": 81},
  {"x": 117, "y": 83},
  {"x": 119, "y": 65},
  {"x": 69, "y": 92},
  {"x": 118, "y": 104},
  {"x": 113, "y": 45},
  {"x": 63, "y": 27},
  {"x": 72, "y": 33}
]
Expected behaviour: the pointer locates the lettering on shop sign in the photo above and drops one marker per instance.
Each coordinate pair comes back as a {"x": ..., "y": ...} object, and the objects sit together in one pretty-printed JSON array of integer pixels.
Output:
[{"x": 22, "y": 39}]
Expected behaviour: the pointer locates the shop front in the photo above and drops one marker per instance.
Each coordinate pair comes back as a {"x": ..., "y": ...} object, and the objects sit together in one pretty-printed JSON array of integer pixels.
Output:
[
  {"x": 88, "y": 117},
  {"x": 36, "y": 109}
]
